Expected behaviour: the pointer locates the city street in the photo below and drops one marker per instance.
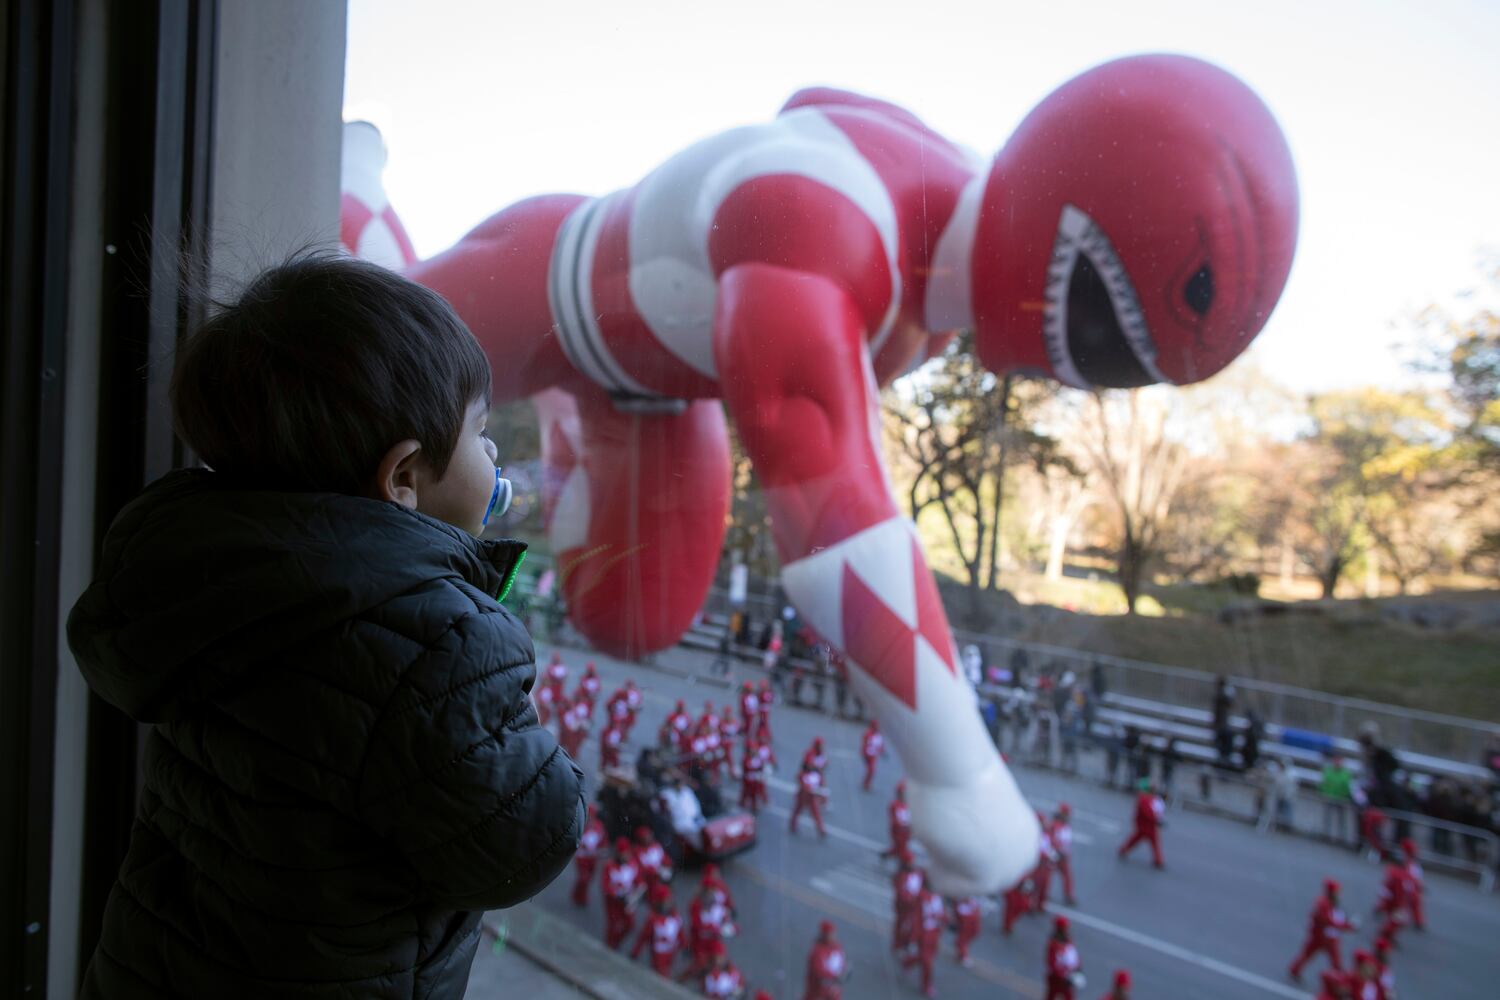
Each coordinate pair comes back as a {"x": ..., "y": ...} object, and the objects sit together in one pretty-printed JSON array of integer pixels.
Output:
[{"x": 1221, "y": 921}]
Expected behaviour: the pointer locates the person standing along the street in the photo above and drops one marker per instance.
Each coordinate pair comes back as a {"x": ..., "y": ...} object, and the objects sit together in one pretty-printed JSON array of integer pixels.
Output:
[
  {"x": 1018, "y": 902},
  {"x": 871, "y": 749},
  {"x": 1336, "y": 786},
  {"x": 1222, "y": 725},
  {"x": 723, "y": 980},
  {"x": 1324, "y": 925},
  {"x": 1062, "y": 843},
  {"x": 1149, "y": 813},
  {"x": 810, "y": 797},
  {"x": 1380, "y": 767},
  {"x": 931, "y": 918},
  {"x": 620, "y": 883},
  {"x": 1415, "y": 882},
  {"x": 1120, "y": 987},
  {"x": 827, "y": 967},
  {"x": 753, "y": 778},
  {"x": 590, "y": 847},
  {"x": 1250, "y": 740},
  {"x": 1170, "y": 758},
  {"x": 1064, "y": 966},
  {"x": 662, "y": 930},
  {"x": 749, "y": 708},
  {"x": 966, "y": 926},
  {"x": 900, "y": 823},
  {"x": 906, "y": 890}
]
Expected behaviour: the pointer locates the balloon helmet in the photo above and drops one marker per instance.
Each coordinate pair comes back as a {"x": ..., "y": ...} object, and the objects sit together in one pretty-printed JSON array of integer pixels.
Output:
[{"x": 1138, "y": 227}]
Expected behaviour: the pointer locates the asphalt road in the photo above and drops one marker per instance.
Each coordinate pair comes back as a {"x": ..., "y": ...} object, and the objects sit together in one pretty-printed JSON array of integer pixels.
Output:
[{"x": 1222, "y": 921}]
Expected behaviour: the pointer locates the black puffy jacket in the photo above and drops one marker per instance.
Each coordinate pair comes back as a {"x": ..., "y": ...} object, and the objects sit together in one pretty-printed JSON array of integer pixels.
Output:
[{"x": 344, "y": 765}]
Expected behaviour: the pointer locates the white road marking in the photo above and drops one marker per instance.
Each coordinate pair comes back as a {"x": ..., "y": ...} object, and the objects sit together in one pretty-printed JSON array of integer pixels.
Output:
[
  {"x": 1104, "y": 823},
  {"x": 1184, "y": 954},
  {"x": 833, "y": 831}
]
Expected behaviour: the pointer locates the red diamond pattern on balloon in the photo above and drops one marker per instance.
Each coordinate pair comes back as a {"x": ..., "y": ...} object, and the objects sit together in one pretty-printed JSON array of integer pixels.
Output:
[
  {"x": 878, "y": 641},
  {"x": 881, "y": 643},
  {"x": 932, "y": 620}
]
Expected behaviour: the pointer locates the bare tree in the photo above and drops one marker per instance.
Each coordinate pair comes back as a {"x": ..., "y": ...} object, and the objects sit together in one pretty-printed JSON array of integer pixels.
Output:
[{"x": 1139, "y": 467}]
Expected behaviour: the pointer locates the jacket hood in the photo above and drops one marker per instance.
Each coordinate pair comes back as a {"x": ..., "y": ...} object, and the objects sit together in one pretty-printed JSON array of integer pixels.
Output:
[{"x": 199, "y": 581}]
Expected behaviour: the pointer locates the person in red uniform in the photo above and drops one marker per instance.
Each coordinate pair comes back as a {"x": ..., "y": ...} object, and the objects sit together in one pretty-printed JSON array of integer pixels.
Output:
[
  {"x": 663, "y": 930},
  {"x": 1064, "y": 967},
  {"x": 763, "y": 724},
  {"x": 763, "y": 740},
  {"x": 1149, "y": 813},
  {"x": 729, "y": 732},
  {"x": 1119, "y": 987},
  {"x": 1415, "y": 882},
  {"x": 588, "y": 687},
  {"x": 1324, "y": 925},
  {"x": 1364, "y": 981},
  {"x": 1046, "y": 860},
  {"x": 617, "y": 710},
  {"x": 1332, "y": 986},
  {"x": 930, "y": 919},
  {"x": 816, "y": 756},
  {"x": 714, "y": 882},
  {"x": 586, "y": 859},
  {"x": 651, "y": 858},
  {"x": 827, "y": 967},
  {"x": 871, "y": 748},
  {"x": 1385, "y": 974},
  {"x": 753, "y": 778},
  {"x": 709, "y": 923},
  {"x": 633, "y": 702},
  {"x": 810, "y": 797},
  {"x": 1018, "y": 902},
  {"x": 681, "y": 724},
  {"x": 900, "y": 822},
  {"x": 965, "y": 926},
  {"x": 544, "y": 697},
  {"x": 723, "y": 978},
  {"x": 749, "y": 707},
  {"x": 610, "y": 745},
  {"x": 620, "y": 883},
  {"x": 906, "y": 885},
  {"x": 572, "y": 730},
  {"x": 710, "y": 753},
  {"x": 553, "y": 681},
  {"x": 1394, "y": 901},
  {"x": 1062, "y": 845},
  {"x": 1372, "y": 831}
]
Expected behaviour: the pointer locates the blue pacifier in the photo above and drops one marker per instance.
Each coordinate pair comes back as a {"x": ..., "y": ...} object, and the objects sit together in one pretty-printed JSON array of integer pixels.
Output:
[{"x": 499, "y": 500}]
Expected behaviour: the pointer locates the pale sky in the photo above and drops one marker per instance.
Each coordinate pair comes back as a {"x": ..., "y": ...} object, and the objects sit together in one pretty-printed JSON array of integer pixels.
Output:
[{"x": 1390, "y": 109}]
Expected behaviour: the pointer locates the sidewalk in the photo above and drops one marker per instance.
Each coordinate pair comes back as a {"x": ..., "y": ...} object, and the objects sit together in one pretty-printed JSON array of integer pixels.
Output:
[{"x": 528, "y": 952}]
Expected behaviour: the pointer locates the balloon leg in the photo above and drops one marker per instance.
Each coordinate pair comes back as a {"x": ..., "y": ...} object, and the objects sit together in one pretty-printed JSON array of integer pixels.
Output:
[{"x": 797, "y": 381}]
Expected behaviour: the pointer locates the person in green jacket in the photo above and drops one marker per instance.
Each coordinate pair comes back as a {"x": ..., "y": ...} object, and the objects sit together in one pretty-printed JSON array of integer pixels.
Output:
[{"x": 1336, "y": 787}]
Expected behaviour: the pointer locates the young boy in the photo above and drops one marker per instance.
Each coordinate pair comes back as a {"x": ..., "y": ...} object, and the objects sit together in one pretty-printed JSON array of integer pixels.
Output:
[{"x": 344, "y": 766}]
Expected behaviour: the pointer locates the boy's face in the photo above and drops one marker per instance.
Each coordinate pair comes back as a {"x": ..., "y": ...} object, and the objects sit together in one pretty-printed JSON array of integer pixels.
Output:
[{"x": 462, "y": 496}]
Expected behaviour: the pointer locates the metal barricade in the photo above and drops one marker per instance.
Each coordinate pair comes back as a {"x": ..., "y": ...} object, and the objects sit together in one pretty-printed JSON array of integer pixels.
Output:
[{"x": 1447, "y": 845}]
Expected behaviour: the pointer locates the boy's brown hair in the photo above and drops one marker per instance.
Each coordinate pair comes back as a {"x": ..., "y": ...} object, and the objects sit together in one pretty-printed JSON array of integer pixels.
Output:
[{"x": 322, "y": 365}]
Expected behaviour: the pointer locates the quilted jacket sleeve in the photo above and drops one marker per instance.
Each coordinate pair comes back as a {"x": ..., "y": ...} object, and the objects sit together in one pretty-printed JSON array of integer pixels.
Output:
[{"x": 460, "y": 778}]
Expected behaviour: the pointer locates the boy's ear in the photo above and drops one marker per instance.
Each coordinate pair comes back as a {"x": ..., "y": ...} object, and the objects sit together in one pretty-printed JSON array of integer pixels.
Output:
[{"x": 399, "y": 474}]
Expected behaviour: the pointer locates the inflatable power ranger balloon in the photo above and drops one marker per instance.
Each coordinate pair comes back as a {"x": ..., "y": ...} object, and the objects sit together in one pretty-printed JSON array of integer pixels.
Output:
[{"x": 1137, "y": 228}]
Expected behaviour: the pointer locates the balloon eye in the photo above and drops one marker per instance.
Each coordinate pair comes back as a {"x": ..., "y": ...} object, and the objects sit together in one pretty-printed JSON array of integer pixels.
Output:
[{"x": 1199, "y": 293}]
